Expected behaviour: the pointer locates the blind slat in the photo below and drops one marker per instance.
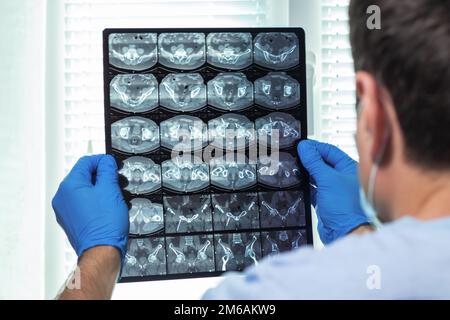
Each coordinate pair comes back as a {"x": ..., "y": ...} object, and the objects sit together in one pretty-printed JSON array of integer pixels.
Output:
[{"x": 338, "y": 114}]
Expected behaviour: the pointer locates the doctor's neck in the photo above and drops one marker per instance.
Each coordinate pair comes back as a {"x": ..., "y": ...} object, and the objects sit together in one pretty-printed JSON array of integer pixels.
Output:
[{"x": 417, "y": 192}]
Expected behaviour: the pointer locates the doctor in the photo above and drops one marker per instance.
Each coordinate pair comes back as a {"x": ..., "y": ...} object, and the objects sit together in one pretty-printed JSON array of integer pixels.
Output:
[{"x": 403, "y": 139}]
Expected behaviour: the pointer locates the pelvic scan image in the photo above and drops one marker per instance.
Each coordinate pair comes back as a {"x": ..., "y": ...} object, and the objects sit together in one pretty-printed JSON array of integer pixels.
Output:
[
  {"x": 146, "y": 217},
  {"x": 282, "y": 209},
  {"x": 236, "y": 251},
  {"x": 135, "y": 135},
  {"x": 188, "y": 213},
  {"x": 231, "y": 131},
  {"x": 185, "y": 51},
  {"x": 278, "y": 130},
  {"x": 134, "y": 92},
  {"x": 133, "y": 51},
  {"x": 279, "y": 241},
  {"x": 235, "y": 174},
  {"x": 230, "y": 91},
  {"x": 182, "y": 92},
  {"x": 145, "y": 257},
  {"x": 185, "y": 174},
  {"x": 277, "y": 50},
  {"x": 184, "y": 133},
  {"x": 277, "y": 91},
  {"x": 142, "y": 175},
  {"x": 230, "y": 50},
  {"x": 278, "y": 173},
  {"x": 235, "y": 211},
  {"x": 190, "y": 254},
  {"x": 203, "y": 124}
]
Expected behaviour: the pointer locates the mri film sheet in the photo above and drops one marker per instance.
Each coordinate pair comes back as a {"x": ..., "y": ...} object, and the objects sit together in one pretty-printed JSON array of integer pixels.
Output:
[{"x": 204, "y": 126}]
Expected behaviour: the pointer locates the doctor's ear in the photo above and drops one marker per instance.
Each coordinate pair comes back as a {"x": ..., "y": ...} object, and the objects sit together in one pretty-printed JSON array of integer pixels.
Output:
[{"x": 373, "y": 122}]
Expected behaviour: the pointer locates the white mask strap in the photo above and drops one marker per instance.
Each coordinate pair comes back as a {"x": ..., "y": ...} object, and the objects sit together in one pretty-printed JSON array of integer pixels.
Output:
[{"x": 375, "y": 167}]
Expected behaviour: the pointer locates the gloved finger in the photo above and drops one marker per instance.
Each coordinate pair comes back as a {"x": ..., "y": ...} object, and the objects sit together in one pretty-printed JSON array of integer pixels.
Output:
[
  {"x": 335, "y": 157},
  {"x": 312, "y": 160},
  {"x": 107, "y": 172},
  {"x": 84, "y": 169}
]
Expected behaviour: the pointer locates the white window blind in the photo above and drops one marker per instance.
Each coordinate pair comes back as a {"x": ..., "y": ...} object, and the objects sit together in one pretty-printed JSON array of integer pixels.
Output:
[
  {"x": 338, "y": 115},
  {"x": 84, "y": 22}
]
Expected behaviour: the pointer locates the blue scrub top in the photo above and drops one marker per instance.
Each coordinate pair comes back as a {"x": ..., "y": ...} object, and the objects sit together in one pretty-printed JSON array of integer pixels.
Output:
[{"x": 406, "y": 259}]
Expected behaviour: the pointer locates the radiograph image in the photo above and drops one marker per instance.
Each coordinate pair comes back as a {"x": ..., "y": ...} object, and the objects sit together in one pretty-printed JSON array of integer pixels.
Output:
[
  {"x": 142, "y": 175},
  {"x": 277, "y": 50},
  {"x": 280, "y": 241},
  {"x": 133, "y": 51},
  {"x": 236, "y": 251},
  {"x": 183, "y": 50},
  {"x": 277, "y": 91},
  {"x": 135, "y": 135},
  {"x": 282, "y": 209},
  {"x": 231, "y": 131},
  {"x": 185, "y": 174},
  {"x": 134, "y": 92},
  {"x": 278, "y": 129},
  {"x": 182, "y": 92},
  {"x": 190, "y": 254},
  {"x": 145, "y": 257},
  {"x": 230, "y": 50},
  {"x": 230, "y": 91},
  {"x": 279, "y": 173},
  {"x": 235, "y": 211},
  {"x": 184, "y": 133},
  {"x": 146, "y": 217},
  {"x": 232, "y": 175},
  {"x": 190, "y": 213}
]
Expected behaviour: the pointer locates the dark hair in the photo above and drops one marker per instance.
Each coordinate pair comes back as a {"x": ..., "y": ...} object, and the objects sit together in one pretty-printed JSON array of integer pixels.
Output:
[{"x": 410, "y": 57}]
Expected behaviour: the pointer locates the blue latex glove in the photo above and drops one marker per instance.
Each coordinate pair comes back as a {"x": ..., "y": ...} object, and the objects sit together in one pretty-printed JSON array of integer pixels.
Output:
[
  {"x": 336, "y": 198},
  {"x": 89, "y": 205}
]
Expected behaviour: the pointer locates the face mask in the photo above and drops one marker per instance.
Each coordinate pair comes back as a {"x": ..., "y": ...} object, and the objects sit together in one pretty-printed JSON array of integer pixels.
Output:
[
  {"x": 367, "y": 202},
  {"x": 368, "y": 209}
]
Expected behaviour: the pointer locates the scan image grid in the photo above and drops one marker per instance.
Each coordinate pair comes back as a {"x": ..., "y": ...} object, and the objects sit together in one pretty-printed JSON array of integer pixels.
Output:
[{"x": 183, "y": 91}]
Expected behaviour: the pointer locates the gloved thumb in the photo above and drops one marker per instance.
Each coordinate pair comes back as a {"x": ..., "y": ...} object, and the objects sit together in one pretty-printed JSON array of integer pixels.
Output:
[
  {"x": 312, "y": 160},
  {"x": 107, "y": 171},
  {"x": 84, "y": 169}
]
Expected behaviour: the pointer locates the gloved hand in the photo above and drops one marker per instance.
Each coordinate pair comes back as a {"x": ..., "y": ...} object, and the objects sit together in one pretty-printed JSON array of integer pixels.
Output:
[
  {"x": 336, "y": 198},
  {"x": 89, "y": 205}
]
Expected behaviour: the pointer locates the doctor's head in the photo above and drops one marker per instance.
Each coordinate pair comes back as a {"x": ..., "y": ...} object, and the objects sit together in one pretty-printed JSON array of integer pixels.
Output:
[{"x": 401, "y": 52}]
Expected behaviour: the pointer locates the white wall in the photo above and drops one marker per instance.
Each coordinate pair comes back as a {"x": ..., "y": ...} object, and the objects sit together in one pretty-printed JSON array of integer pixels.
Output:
[
  {"x": 22, "y": 34},
  {"x": 55, "y": 239}
]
